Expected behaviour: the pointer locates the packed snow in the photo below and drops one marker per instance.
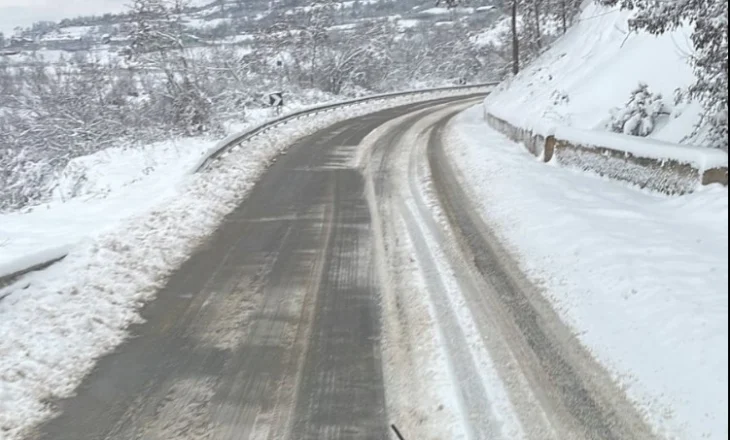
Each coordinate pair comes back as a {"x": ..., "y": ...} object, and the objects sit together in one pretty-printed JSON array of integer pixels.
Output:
[
  {"x": 593, "y": 69},
  {"x": 642, "y": 278},
  {"x": 451, "y": 364}
]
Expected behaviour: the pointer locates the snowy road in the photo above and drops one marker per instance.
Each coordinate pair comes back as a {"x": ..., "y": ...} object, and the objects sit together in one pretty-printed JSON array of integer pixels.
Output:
[{"x": 355, "y": 287}]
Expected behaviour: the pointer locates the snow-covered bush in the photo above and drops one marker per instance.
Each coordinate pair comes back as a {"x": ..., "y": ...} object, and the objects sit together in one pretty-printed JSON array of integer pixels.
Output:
[{"x": 638, "y": 117}]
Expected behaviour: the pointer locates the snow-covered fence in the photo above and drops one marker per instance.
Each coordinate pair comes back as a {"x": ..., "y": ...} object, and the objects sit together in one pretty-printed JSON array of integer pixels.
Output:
[
  {"x": 43, "y": 260},
  {"x": 647, "y": 163}
]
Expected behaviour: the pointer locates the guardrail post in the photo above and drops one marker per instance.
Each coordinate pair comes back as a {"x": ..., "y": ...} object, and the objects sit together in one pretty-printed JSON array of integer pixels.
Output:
[{"x": 549, "y": 149}]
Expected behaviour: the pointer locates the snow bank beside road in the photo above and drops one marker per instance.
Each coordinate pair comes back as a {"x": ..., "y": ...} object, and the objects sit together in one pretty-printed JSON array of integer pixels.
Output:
[
  {"x": 95, "y": 193},
  {"x": 642, "y": 278}
]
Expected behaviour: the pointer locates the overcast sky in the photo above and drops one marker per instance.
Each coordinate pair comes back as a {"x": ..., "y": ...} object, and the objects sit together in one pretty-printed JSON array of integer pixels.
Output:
[{"x": 24, "y": 12}]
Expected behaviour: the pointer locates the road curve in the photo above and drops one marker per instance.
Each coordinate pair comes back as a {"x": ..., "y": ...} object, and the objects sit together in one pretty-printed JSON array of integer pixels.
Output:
[
  {"x": 297, "y": 320},
  {"x": 270, "y": 330}
]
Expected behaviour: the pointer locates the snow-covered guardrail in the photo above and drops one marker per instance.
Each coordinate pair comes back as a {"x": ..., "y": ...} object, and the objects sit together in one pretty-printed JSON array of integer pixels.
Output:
[
  {"x": 239, "y": 138},
  {"x": 47, "y": 258},
  {"x": 660, "y": 166}
]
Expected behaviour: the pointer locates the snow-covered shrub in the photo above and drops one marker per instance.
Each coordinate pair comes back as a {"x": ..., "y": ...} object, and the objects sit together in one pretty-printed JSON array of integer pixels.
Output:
[{"x": 638, "y": 117}]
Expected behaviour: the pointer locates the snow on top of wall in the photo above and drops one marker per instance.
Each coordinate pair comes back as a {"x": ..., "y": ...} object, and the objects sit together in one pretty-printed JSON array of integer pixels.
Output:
[
  {"x": 593, "y": 69},
  {"x": 700, "y": 157}
]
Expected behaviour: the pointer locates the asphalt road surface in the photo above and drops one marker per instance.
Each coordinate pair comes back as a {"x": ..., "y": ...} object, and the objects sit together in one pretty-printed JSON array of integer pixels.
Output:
[{"x": 273, "y": 329}]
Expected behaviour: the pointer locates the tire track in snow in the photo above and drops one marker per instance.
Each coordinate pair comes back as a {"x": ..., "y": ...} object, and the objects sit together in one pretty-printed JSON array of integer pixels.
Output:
[
  {"x": 575, "y": 391},
  {"x": 473, "y": 401}
]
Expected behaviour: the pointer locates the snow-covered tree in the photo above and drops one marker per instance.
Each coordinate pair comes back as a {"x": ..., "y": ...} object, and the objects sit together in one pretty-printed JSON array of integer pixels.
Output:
[
  {"x": 359, "y": 57},
  {"x": 158, "y": 42},
  {"x": 638, "y": 117},
  {"x": 563, "y": 12}
]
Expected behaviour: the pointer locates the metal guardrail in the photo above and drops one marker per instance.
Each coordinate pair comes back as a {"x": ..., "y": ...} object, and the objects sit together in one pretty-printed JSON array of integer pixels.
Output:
[
  {"x": 242, "y": 137},
  {"x": 237, "y": 139}
]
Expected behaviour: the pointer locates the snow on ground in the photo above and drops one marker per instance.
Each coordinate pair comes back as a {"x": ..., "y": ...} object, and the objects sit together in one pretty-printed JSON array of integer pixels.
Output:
[
  {"x": 436, "y": 11},
  {"x": 593, "y": 69},
  {"x": 96, "y": 193},
  {"x": 203, "y": 23},
  {"x": 407, "y": 23},
  {"x": 68, "y": 33},
  {"x": 240, "y": 38},
  {"x": 200, "y": 3},
  {"x": 56, "y": 322},
  {"x": 641, "y": 277},
  {"x": 55, "y": 56},
  {"x": 343, "y": 27}
]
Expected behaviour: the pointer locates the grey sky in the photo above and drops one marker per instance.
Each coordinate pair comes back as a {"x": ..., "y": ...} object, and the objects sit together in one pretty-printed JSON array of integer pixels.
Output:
[{"x": 24, "y": 12}]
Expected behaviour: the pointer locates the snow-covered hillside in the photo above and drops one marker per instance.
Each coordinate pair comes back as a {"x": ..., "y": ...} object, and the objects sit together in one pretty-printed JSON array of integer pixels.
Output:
[{"x": 593, "y": 69}]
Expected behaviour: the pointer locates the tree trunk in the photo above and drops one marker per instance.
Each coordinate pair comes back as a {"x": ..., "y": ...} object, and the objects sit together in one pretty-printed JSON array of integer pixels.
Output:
[
  {"x": 312, "y": 63},
  {"x": 538, "y": 34},
  {"x": 564, "y": 15},
  {"x": 515, "y": 41}
]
